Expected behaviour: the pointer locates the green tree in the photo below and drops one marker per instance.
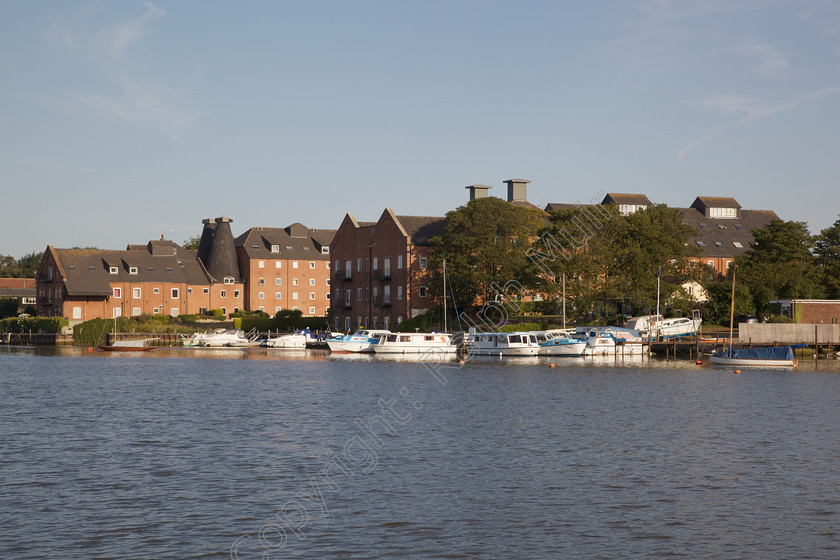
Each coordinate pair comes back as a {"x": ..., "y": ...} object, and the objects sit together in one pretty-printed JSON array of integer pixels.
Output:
[
  {"x": 28, "y": 264},
  {"x": 485, "y": 242},
  {"x": 827, "y": 251},
  {"x": 780, "y": 264},
  {"x": 192, "y": 243},
  {"x": 717, "y": 309}
]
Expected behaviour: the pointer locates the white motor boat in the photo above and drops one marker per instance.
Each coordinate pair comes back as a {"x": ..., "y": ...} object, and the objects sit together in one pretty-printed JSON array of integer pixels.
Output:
[
  {"x": 502, "y": 344},
  {"x": 362, "y": 340},
  {"x": 225, "y": 337},
  {"x": 293, "y": 341},
  {"x": 560, "y": 343},
  {"x": 613, "y": 341},
  {"x": 415, "y": 343},
  {"x": 656, "y": 327}
]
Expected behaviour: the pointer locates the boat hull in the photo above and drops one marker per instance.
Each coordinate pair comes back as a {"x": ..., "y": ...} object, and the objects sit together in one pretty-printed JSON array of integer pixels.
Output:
[
  {"x": 723, "y": 360},
  {"x": 524, "y": 351},
  {"x": 572, "y": 350}
]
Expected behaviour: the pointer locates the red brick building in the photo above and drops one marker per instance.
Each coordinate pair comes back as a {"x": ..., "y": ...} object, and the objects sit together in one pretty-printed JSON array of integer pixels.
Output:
[
  {"x": 286, "y": 268},
  {"x": 380, "y": 270}
]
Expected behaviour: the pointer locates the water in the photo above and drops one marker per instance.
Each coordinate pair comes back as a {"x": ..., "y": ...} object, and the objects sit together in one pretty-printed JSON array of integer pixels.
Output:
[{"x": 181, "y": 453}]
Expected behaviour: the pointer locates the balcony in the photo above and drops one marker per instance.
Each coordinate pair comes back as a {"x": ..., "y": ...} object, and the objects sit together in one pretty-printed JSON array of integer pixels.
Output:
[
  {"x": 382, "y": 276},
  {"x": 386, "y": 303},
  {"x": 343, "y": 277}
]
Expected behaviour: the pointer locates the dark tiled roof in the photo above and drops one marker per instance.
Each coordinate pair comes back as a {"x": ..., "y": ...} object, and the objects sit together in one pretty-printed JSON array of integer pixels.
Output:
[
  {"x": 526, "y": 204},
  {"x": 624, "y": 198},
  {"x": 422, "y": 228},
  {"x": 703, "y": 202},
  {"x": 291, "y": 242},
  {"x": 88, "y": 270},
  {"x": 725, "y": 237},
  {"x": 554, "y": 206}
]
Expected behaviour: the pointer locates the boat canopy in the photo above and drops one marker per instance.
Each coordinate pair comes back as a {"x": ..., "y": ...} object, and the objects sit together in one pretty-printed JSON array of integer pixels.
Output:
[{"x": 774, "y": 353}]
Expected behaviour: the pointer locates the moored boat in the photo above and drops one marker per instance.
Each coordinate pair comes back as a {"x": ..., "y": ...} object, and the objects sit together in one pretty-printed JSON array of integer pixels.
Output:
[
  {"x": 225, "y": 337},
  {"x": 502, "y": 344},
  {"x": 657, "y": 327},
  {"x": 415, "y": 343},
  {"x": 613, "y": 341},
  {"x": 140, "y": 345},
  {"x": 292, "y": 341},
  {"x": 778, "y": 356},
  {"x": 363, "y": 340},
  {"x": 561, "y": 343}
]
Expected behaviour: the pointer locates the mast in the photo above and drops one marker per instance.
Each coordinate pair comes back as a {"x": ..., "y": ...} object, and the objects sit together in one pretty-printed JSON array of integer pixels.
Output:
[
  {"x": 444, "y": 295},
  {"x": 732, "y": 309},
  {"x": 564, "y": 300}
]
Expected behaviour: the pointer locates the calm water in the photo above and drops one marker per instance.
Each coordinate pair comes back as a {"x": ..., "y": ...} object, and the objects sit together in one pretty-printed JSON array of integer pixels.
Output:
[{"x": 182, "y": 453}]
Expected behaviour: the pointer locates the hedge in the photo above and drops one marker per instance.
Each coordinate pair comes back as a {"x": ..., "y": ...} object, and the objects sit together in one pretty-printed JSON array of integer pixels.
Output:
[{"x": 33, "y": 324}]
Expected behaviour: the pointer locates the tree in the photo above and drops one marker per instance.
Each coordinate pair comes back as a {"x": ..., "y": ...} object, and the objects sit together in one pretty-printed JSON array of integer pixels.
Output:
[
  {"x": 780, "y": 264},
  {"x": 25, "y": 267},
  {"x": 718, "y": 308},
  {"x": 827, "y": 251},
  {"x": 192, "y": 243},
  {"x": 485, "y": 242}
]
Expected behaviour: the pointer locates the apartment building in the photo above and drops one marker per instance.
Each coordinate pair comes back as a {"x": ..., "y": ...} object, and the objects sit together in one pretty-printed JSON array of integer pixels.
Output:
[{"x": 286, "y": 268}]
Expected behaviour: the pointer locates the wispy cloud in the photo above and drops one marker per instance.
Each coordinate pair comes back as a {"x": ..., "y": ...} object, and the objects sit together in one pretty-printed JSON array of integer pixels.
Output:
[
  {"x": 751, "y": 110},
  {"x": 133, "y": 96},
  {"x": 770, "y": 61}
]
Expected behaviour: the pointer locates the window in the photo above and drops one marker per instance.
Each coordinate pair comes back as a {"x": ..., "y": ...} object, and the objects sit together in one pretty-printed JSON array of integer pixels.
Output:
[
  {"x": 135, "y": 292},
  {"x": 223, "y": 294},
  {"x": 294, "y": 264},
  {"x": 189, "y": 290},
  {"x": 132, "y": 270},
  {"x": 328, "y": 295},
  {"x": 275, "y": 248},
  {"x": 422, "y": 263},
  {"x": 399, "y": 262},
  {"x": 260, "y": 264},
  {"x": 117, "y": 312},
  {"x": 235, "y": 293},
  {"x": 359, "y": 294},
  {"x": 348, "y": 269},
  {"x": 738, "y": 244},
  {"x": 375, "y": 263},
  {"x": 311, "y": 264},
  {"x": 399, "y": 292},
  {"x": 311, "y": 281},
  {"x": 294, "y": 296},
  {"x": 278, "y": 264},
  {"x": 718, "y": 243},
  {"x": 229, "y": 280},
  {"x": 77, "y": 312},
  {"x": 386, "y": 294},
  {"x": 710, "y": 262},
  {"x": 278, "y": 295},
  {"x": 704, "y": 226},
  {"x": 113, "y": 269},
  {"x": 173, "y": 312},
  {"x": 155, "y": 290},
  {"x": 387, "y": 271},
  {"x": 337, "y": 266},
  {"x": 424, "y": 291},
  {"x": 739, "y": 227},
  {"x": 205, "y": 291},
  {"x": 358, "y": 265},
  {"x": 261, "y": 282},
  {"x": 294, "y": 281},
  {"x": 325, "y": 250},
  {"x": 328, "y": 281},
  {"x": 174, "y": 293},
  {"x": 723, "y": 212},
  {"x": 347, "y": 296},
  {"x": 261, "y": 295},
  {"x": 278, "y": 281},
  {"x": 701, "y": 243},
  {"x": 311, "y": 295},
  {"x": 117, "y": 293},
  {"x": 312, "y": 311}
]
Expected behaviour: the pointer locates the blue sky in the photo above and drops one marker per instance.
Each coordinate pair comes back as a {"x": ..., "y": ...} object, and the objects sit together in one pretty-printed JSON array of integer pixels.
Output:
[{"x": 122, "y": 121}]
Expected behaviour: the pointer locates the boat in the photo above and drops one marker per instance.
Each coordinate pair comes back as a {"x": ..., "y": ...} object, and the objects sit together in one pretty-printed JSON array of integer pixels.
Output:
[
  {"x": 361, "y": 341},
  {"x": 415, "y": 343},
  {"x": 225, "y": 337},
  {"x": 560, "y": 343},
  {"x": 613, "y": 340},
  {"x": 293, "y": 341},
  {"x": 502, "y": 344},
  {"x": 139, "y": 345},
  {"x": 778, "y": 356},
  {"x": 657, "y": 327}
]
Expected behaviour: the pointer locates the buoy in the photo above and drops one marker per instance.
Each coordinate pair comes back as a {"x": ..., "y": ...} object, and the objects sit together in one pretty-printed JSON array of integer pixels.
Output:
[
  {"x": 550, "y": 365},
  {"x": 699, "y": 362},
  {"x": 460, "y": 361},
  {"x": 738, "y": 371},
  {"x": 90, "y": 349}
]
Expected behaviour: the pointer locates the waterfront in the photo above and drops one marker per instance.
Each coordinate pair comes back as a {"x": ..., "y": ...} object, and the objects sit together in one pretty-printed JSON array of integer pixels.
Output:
[{"x": 178, "y": 453}]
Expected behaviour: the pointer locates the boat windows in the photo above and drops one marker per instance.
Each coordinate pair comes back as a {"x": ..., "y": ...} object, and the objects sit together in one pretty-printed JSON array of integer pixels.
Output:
[{"x": 514, "y": 339}]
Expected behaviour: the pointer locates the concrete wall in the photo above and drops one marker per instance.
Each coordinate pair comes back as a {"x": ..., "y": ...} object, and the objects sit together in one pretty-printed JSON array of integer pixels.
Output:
[{"x": 788, "y": 333}]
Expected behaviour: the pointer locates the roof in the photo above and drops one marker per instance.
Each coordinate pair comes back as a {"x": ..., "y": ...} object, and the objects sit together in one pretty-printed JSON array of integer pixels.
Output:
[
  {"x": 295, "y": 241},
  {"x": 714, "y": 202},
  {"x": 625, "y": 198},
  {"x": 725, "y": 237},
  {"x": 422, "y": 228},
  {"x": 88, "y": 271},
  {"x": 17, "y": 287}
]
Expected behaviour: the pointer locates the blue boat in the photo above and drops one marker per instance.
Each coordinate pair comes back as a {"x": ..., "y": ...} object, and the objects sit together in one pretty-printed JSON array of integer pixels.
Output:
[{"x": 777, "y": 356}]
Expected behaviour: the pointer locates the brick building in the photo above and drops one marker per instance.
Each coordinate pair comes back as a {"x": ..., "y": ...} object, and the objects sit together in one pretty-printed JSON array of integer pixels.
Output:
[
  {"x": 380, "y": 270},
  {"x": 286, "y": 268}
]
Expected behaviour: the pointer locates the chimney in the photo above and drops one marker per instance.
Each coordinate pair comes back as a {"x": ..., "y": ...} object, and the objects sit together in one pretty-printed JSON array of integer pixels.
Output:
[
  {"x": 517, "y": 190},
  {"x": 478, "y": 191}
]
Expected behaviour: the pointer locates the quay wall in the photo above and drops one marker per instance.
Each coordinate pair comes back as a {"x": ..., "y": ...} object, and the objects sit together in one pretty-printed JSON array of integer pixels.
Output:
[{"x": 789, "y": 333}]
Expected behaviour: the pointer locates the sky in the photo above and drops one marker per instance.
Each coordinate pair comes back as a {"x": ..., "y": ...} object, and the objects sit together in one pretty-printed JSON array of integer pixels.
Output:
[{"x": 121, "y": 121}]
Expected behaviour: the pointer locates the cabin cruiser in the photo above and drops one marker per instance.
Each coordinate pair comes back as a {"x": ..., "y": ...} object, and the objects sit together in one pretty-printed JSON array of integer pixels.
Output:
[
  {"x": 293, "y": 341},
  {"x": 363, "y": 340},
  {"x": 502, "y": 344},
  {"x": 656, "y": 327},
  {"x": 415, "y": 343},
  {"x": 612, "y": 340},
  {"x": 560, "y": 343},
  {"x": 225, "y": 337}
]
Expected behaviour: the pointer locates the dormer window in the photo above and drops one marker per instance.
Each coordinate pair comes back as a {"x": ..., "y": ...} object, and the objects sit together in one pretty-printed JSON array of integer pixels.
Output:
[
  {"x": 132, "y": 270},
  {"x": 275, "y": 248},
  {"x": 113, "y": 269},
  {"x": 325, "y": 250},
  {"x": 723, "y": 212},
  {"x": 229, "y": 280}
]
